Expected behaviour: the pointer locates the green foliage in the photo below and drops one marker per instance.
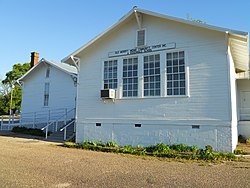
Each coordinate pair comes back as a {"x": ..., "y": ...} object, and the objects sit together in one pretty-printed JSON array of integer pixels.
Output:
[
  {"x": 17, "y": 71},
  {"x": 30, "y": 131},
  {"x": 239, "y": 151},
  {"x": 158, "y": 148},
  {"x": 179, "y": 151},
  {"x": 111, "y": 144},
  {"x": 248, "y": 141},
  {"x": 128, "y": 149},
  {"x": 69, "y": 144}
]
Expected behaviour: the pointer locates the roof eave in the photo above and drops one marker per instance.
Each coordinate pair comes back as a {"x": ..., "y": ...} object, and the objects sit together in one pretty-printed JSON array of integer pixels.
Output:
[
  {"x": 237, "y": 33},
  {"x": 68, "y": 59},
  {"x": 43, "y": 60}
]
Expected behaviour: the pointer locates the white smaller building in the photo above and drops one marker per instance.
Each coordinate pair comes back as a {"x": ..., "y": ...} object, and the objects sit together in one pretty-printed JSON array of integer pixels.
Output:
[{"x": 48, "y": 92}]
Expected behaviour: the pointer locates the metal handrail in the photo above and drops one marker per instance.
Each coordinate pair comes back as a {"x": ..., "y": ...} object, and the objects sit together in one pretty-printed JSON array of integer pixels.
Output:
[
  {"x": 65, "y": 129},
  {"x": 67, "y": 125},
  {"x": 55, "y": 121},
  {"x": 43, "y": 111}
]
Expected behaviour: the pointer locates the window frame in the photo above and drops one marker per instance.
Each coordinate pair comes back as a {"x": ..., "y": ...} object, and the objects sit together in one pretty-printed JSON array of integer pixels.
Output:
[
  {"x": 143, "y": 76},
  {"x": 46, "y": 94},
  {"x": 122, "y": 78},
  {"x": 145, "y": 38},
  {"x": 186, "y": 72},
  {"x": 103, "y": 73},
  {"x": 47, "y": 72},
  {"x": 140, "y": 72}
]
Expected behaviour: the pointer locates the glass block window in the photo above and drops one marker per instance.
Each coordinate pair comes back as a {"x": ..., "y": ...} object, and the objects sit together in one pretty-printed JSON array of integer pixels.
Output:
[
  {"x": 176, "y": 78},
  {"x": 130, "y": 77},
  {"x": 46, "y": 94},
  {"x": 110, "y": 74},
  {"x": 152, "y": 78}
]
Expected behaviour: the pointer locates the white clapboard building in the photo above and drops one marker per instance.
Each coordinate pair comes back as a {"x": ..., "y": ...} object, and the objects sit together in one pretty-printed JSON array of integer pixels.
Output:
[
  {"x": 48, "y": 92},
  {"x": 152, "y": 78}
]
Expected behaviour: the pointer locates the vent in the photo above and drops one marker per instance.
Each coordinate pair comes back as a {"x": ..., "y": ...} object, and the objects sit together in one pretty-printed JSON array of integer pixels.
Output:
[
  {"x": 98, "y": 124},
  {"x": 195, "y": 126},
  {"x": 108, "y": 93},
  {"x": 137, "y": 125},
  {"x": 141, "y": 38}
]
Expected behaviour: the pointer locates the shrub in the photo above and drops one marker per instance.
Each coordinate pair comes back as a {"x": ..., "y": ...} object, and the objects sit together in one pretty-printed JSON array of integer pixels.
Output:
[
  {"x": 128, "y": 149},
  {"x": 159, "y": 150},
  {"x": 111, "y": 144},
  {"x": 87, "y": 142},
  {"x": 99, "y": 143},
  {"x": 69, "y": 144},
  {"x": 248, "y": 141},
  {"x": 30, "y": 131},
  {"x": 239, "y": 151},
  {"x": 209, "y": 148}
]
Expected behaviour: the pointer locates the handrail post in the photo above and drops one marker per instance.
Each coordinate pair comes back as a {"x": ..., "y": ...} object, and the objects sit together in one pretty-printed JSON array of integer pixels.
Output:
[
  {"x": 34, "y": 120},
  {"x": 46, "y": 133},
  {"x": 12, "y": 121},
  {"x": 20, "y": 120},
  {"x": 66, "y": 113},
  {"x": 13, "y": 118},
  {"x": 65, "y": 134},
  {"x": 9, "y": 120},
  {"x": 48, "y": 117},
  {"x": 2, "y": 123}
]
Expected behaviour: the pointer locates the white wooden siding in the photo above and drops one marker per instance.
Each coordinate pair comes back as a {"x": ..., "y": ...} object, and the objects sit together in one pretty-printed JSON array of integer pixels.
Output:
[
  {"x": 62, "y": 91},
  {"x": 208, "y": 75}
]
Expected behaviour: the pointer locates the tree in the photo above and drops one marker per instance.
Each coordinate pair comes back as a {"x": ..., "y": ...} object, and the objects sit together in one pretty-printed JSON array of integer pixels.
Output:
[
  {"x": 18, "y": 70},
  {"x": 4, "y": 97}
]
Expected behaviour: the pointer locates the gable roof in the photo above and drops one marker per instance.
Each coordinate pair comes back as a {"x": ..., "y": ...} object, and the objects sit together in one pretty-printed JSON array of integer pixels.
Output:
[
  {"x": 70, "y": 70},
  {"x": 238, "y": 39}
]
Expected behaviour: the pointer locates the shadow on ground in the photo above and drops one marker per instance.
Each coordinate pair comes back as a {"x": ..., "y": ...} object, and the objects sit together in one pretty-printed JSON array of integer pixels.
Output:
[{"x": 31, "y": 137}]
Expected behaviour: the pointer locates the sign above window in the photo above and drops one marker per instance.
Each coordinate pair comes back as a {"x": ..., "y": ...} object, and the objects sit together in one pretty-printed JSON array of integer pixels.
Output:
[{"x": 146, "y": 49}]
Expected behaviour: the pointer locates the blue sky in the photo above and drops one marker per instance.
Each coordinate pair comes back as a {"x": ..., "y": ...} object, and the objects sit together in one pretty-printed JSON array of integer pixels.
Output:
[{"x": 55, "y": 28}]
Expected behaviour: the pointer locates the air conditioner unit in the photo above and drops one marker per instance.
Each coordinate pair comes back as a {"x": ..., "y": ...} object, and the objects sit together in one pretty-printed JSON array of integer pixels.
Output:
[{"x": 107, "y": 93}]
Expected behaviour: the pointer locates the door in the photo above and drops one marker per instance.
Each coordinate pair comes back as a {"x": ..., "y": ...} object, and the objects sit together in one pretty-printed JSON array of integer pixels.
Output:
[{"x": 245, "y": 105}]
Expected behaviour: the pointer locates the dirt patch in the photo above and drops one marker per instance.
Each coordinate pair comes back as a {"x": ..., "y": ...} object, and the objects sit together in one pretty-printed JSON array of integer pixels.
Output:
[{"x": 26, "y": 163}]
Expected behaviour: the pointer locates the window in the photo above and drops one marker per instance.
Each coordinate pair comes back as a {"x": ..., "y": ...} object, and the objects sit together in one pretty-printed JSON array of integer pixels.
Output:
[
  {"x": 141, "y": 37},
  {"x": 46, "y": 94},
  {"x": 130, "y": 77},
  {"x": 175, "y": 65},
  {"x": 110, "y": 74},
  {"x": 47, "y": 72},
  {"x": 152, "y": 78}
]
